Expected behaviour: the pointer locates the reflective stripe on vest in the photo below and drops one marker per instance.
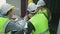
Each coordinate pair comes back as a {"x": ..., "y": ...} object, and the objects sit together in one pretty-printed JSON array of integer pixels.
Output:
[
  {"x": 3, "y": 24},
  {"x": 40, "y": 23}
]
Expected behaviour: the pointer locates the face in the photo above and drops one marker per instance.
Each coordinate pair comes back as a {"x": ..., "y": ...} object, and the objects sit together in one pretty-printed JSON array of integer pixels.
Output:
[
  {"x": 37, "y": 10},
  {"x": 10, "y": 13}
]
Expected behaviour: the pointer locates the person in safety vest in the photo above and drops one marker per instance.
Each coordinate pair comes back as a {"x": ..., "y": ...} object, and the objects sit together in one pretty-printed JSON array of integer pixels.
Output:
[
  {"x": 38, "y": 22},
  {"x": 7, "y": 23}
]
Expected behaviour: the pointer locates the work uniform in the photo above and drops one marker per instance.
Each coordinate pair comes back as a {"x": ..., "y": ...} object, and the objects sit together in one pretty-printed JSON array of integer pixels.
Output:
[
  {"x": 3, "y": 24},
  {"x": 7, "y": 25},
  {"x": 39, "y": 23},
  {"x": 22, "y": 23}
]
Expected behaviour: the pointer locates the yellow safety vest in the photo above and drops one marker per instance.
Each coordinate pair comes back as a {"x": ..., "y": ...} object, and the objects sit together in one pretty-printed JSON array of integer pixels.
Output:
[
  {"x": 40, "y": 23},
  {"x": 3, "y": 24}
]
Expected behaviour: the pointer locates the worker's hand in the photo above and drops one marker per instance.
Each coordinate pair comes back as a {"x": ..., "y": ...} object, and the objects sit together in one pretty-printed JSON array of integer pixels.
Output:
[
  {"x": 15, "y": 19},
  {"x": 26, "y": 17},
  {"x": 30, "y": 15}
]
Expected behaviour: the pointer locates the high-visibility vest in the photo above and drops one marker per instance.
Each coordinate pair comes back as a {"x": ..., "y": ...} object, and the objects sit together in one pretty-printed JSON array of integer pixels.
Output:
[
  {"x": 3, "y": 24},
  {"x": 40, "y": 23}
]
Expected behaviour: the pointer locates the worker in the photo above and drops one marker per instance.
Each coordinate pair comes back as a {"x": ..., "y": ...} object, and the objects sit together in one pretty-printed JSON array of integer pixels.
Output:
[
  {"x": 7, "y": 24},
  {"x": 38, "y": 23},
  {"x": 43, "y": 5}
]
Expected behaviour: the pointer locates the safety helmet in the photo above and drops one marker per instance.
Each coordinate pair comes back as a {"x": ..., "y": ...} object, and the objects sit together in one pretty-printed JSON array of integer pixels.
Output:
[
  {"x": 40, "y": 3},
  {"x": 6, "y": 7},
  {"x": 32, "y": 7}
]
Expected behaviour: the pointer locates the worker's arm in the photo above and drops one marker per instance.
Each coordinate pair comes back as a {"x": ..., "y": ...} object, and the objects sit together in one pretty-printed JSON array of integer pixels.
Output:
[
  {"x": 30, "y": 28},
  {"x": 12, "y": 26}
]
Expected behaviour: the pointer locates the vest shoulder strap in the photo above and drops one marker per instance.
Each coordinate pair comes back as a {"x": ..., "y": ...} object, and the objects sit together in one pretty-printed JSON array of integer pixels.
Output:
[{"x": 44, "y": 11}]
